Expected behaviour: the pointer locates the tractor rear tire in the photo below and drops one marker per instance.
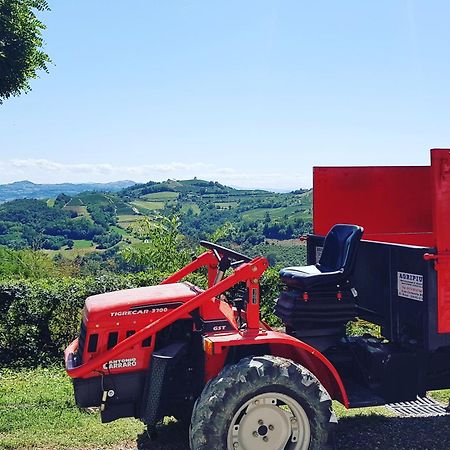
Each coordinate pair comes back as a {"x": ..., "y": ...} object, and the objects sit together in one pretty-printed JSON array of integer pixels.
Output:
[{"x": 263, "y": 402}]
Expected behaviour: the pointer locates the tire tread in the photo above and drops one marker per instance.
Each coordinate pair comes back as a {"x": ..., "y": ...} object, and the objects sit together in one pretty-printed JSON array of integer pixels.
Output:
[{"x": 215, "y": 407}]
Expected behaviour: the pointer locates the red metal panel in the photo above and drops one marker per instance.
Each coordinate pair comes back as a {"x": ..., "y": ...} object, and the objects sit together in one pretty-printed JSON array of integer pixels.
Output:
[
  {"x": 109, "y": 303},
  {"x": 391, "y": 203},
  {"x": 406, "y": 205},
  {"x": 440, "y": 160},
  {"x": 281, "y": 344}
]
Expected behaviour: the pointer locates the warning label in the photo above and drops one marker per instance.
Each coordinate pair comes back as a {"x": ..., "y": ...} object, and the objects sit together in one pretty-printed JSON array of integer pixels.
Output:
[{"x": 410, "y": 285}]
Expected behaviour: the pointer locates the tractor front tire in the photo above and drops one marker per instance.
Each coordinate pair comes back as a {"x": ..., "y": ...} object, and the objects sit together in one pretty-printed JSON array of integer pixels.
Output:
[{"x": 263, "y": 402}]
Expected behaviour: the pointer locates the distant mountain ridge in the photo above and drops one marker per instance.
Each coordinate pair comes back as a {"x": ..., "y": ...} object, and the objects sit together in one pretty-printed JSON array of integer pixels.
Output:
[{"x": 28, "y": 189}]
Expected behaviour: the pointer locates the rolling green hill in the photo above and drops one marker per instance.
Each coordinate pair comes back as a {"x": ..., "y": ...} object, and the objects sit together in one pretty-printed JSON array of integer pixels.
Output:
[
  {"x": 205, "y": 205},
  {"x": 93, "y": 220}
]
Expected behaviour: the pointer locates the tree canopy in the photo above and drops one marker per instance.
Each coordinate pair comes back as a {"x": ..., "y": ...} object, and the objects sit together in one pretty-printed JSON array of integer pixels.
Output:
[{"x": 21, "y": 43}]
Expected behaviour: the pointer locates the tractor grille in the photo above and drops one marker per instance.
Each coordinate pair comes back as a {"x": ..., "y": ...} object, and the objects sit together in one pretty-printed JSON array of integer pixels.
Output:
[
  {"x": 81, "y": 341},
  {"x": 422, "y": 407}
]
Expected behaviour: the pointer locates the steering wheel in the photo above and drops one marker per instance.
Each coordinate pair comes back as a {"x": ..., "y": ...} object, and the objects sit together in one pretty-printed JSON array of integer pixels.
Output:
[
  {"x": 224, "y": 255},
  {"x": 218, "y": 250}
]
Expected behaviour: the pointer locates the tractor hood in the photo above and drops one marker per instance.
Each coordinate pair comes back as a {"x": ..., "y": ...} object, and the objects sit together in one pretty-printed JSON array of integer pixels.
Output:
[{"x": 149, "y": 302}]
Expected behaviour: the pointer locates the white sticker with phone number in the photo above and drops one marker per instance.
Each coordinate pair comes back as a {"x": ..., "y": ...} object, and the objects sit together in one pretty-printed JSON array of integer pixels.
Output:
[{"x": 410, "y": 285}]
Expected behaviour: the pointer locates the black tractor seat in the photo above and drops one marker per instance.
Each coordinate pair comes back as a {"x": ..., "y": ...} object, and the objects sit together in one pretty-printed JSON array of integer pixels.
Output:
[
  {"x": 335, "y": 265},
  {"x": 306, "y": 278}
]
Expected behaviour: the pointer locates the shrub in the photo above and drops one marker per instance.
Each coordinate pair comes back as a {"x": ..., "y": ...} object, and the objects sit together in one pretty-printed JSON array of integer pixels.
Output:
[
  {"x": 270, "y": 289},
  {"x": 38, "y": 318}
]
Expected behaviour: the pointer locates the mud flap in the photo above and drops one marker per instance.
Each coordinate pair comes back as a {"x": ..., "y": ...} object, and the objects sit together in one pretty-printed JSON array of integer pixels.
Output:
[{"x": 161, "y": 363}]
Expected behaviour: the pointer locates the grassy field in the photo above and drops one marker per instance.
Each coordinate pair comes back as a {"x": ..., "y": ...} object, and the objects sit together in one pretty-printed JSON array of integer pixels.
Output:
[
  {"x": 74, "y": 202},
  {"x": 82, "y": 243},
  {"x": 161, "y": 196},
  {"x": 128, "y": 220},
  {"x": 123, "y": 208},
  {"x": 146, "y": 206},
  {"x": 80, "y": 210},
  {"x": 119, "y": 230},
  {"x": 193, "y": 206},
  {"x": 277, "y": 213},
  {"x": 94, "y": 198},
  {"x": 37, "y": 411},
  {"x": 81, "y": 247}
]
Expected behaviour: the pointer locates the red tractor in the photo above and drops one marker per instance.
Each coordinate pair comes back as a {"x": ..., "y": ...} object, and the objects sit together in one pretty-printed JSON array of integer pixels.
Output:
[{"x": 177, "y": 350}]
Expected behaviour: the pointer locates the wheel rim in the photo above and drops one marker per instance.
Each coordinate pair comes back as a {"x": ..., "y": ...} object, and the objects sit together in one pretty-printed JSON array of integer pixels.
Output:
[{"x": 272, "y": 421}]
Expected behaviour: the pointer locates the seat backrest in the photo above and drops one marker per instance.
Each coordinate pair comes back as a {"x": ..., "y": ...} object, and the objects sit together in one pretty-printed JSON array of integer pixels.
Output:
[{"x": 339, "y": 248}]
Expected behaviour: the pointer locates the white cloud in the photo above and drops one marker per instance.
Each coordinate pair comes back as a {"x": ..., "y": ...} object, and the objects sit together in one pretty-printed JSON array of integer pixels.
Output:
[
  {"x": 53, "y": 166},
  {"x": 46, "y": 171}
]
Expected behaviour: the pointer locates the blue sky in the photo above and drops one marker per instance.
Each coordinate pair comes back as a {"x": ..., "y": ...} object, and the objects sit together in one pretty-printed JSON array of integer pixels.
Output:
[{"x": 249, "y": 93}]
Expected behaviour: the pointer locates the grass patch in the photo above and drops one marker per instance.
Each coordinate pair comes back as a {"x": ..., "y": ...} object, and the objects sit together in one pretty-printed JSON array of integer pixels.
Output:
[
  {"x": 94, "y": 198},
  {"x": 277, "y": 213},
  {"x": 341, "y": 412},
  {"x": 119, "y": 230},
  {"x": 161, "y": 196},
  {"x": 80, "y": 210},
  {"x": 442, "y": 396},
  {"x": 123, "y": 208},
  {"x": 128, "y": 218},
  {"x": 72, "y": 253},
  {"x": 128, "y": 221},
  {"x": 193, "y": 206},
  {"x": 37, "y": 410},
  {"x": 74, "y": 201},
  {"x": 82, "y": 243},
  {"x": 145, "y": 206}
]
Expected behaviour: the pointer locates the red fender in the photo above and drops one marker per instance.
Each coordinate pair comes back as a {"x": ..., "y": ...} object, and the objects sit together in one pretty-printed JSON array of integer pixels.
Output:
[{"x": 281, "y": 344}]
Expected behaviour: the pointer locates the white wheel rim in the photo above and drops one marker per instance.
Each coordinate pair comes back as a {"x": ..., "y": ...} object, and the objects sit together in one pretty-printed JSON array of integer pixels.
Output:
[{"x": 272, "y": 421}]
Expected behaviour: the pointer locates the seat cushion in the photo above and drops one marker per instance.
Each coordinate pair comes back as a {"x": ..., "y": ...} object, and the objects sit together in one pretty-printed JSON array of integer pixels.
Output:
[{"x": 309, "y": 277}]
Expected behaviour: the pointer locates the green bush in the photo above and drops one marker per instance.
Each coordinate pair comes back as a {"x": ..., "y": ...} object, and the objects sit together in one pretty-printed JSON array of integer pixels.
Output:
[
  {"x": 39, "y": 317},
  {"x": 26, "y": 263},
  {"x": 270, "y": 289}
]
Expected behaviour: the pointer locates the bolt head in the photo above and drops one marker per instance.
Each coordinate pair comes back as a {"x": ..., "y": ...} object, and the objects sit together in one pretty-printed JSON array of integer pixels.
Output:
[
  {"x": 265, "y": 438},
  {"x": 255, "y": 434},
  {"x": 271, "y": 427},
  {"x": 260, "y": 422},
  {"x": 256, "y": 402},
  {"x": 236, "y": 445}
]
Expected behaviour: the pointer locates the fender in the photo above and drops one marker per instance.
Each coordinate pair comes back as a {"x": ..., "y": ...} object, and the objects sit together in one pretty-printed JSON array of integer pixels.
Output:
[{"x": 216, "y": 347}]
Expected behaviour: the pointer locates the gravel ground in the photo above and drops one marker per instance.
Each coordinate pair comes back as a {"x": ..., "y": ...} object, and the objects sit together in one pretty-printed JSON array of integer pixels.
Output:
[
  {"x": 373, "y": 432},
  {"x": 393, "y": 433}
]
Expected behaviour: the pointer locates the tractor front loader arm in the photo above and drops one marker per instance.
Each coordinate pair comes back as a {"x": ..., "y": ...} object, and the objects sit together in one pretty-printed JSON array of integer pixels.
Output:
[{"x": 249, "y": 272}]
